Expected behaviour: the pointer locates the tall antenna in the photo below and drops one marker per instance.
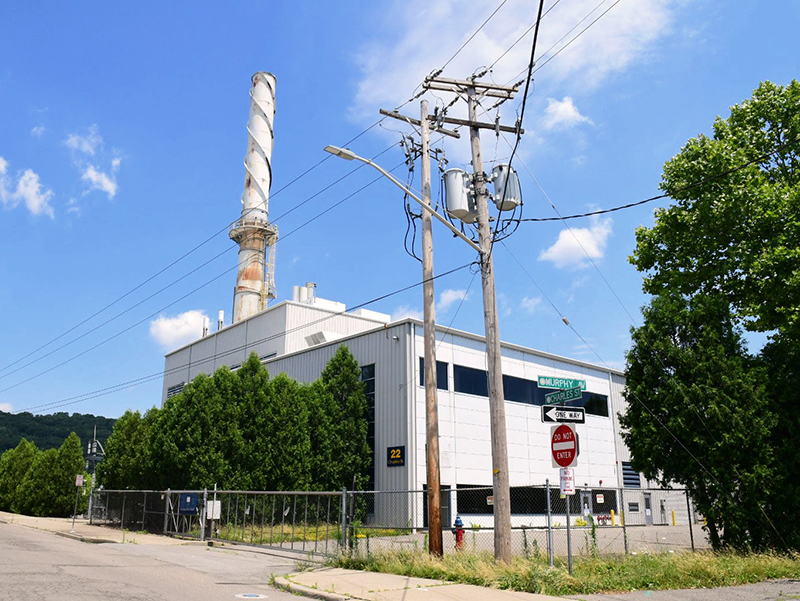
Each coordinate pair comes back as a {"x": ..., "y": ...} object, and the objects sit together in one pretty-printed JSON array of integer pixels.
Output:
[{"x": 255, "y": 280}]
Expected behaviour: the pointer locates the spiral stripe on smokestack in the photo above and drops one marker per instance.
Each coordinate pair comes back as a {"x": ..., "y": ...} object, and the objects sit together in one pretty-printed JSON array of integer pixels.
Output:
[{"x": 252, "y": 231}]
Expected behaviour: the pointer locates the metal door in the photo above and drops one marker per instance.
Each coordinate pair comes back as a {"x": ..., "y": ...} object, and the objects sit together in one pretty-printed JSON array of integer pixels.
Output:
[{"x": 648, "y": 510}]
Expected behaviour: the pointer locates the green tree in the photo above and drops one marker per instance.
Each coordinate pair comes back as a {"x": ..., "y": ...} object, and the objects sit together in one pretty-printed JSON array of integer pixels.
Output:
[
  {"x": 127, "y": 452},
  {"x": 38, "y": 489},
  {"x": 732, "y": 238},
  {"x": 14, "y": 464},
  {"x": 69, "y": 463},
  {"x": 343, "y": 398},
  {"x": 698, "y": 415}
]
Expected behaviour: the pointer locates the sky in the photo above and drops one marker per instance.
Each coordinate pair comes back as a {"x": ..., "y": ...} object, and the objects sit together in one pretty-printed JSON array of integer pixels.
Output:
[{"x": 122, "y": 139}]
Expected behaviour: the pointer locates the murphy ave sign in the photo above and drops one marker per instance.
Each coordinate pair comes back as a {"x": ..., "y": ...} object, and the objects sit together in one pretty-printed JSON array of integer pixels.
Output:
[{"x": 561, "y": 383}]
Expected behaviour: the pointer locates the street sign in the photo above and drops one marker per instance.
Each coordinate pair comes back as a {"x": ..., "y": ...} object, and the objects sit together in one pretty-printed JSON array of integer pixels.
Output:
[
  {"x": 79, "y": 480},
  {"x": 563, "y": 396},
  {"x": 564, "y": 445},
  {"x": 573, "y": 415},
  {"x": 561, "y": 383},
  {"x": 567, "y": 481}
]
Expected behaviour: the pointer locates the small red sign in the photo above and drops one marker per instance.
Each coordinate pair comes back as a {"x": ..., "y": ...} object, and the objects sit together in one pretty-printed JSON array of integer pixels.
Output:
[{"x": 564, "y": 445}]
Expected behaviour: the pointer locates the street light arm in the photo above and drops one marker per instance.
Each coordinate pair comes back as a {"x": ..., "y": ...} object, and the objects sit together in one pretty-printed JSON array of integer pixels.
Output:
[{"x": 349, "y": 155}]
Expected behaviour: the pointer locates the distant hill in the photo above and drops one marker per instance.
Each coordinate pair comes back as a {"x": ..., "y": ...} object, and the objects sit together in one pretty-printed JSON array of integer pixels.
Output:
[{"x": 49, "y": 431}]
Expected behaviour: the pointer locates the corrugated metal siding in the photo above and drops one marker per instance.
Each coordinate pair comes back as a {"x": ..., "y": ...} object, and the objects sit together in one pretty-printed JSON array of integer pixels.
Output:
[
  {"x": 619, "y": 404},
  {"x": 391, "y": 391},
  {"x": 304, "y": 320},
  {"x": 176, "y": 370}
]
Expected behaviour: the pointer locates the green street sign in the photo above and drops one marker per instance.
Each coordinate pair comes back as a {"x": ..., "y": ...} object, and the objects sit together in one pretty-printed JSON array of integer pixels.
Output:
[
  {"x": 562, "y": 396},
  {"x": 561, "y": 383}
]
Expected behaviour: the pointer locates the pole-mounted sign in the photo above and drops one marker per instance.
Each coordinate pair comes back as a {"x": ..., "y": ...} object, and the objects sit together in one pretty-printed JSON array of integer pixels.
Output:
[
  {"x": 564, "y": 446},
  {"x": 574, "y": 415}
]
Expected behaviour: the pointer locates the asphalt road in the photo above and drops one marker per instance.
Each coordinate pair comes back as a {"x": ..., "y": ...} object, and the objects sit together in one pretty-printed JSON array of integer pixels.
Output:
[{"x": 42, "y": 566}]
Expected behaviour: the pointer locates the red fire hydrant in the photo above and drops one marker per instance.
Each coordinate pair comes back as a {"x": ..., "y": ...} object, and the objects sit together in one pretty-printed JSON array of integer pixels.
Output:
[{"x": 458, "y": 530}]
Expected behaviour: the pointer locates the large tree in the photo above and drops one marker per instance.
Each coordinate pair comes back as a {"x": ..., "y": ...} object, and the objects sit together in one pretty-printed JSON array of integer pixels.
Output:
[
  {"x": 14, "y": 464},
  {"x": 698, "y": 414},
  {"x": 725, "y": 255}
]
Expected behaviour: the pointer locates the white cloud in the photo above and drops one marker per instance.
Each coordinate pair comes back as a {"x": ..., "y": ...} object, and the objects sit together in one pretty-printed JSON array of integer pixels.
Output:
[
  {"x": 100, "y": 181},
  {"x": 88, "y": 144},
  {"x": 7, "y": 407},
  {"x": 72, "y": 207},
  {"x": 398, "y": 56},
  {"x": 115, "y": 163},
  {"x": 38, "y": 131},
  {"x": 28, "y": 189},
  {"x": 574, "y": 246},
  {"x": 562, "y": 114},
  {"x": 450, "y": 297},
  {"x": 173, "y": 332},
  {"x": 404, "y": 311},
  {"x": 531, "y": 304}
]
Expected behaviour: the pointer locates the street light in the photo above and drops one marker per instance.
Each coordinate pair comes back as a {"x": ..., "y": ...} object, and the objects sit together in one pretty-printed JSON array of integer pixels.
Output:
[
  {"x": 349, "y": 155},
  {"x": 429, "y": 327}
]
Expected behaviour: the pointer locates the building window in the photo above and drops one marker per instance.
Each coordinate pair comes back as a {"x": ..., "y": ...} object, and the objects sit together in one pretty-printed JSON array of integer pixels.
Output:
[
  {"x": 595, "y": 404},
  {"x": 630, "y": 477},
  {"x": 473, "y": 499},
  {"x": 522, "y": 391},
  {"x": 177, "y": 389},
  {"x": 266, "y": 357},
  {"x": 441, "y": 374},
  {"x": 633, "y": 507},
  {"x": 470, "y": 381},
  {"x": 368, "y": 377}
]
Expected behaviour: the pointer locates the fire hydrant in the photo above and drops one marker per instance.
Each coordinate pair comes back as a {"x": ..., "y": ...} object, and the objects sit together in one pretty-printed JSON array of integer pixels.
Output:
[{"x": 458, "y": 530}]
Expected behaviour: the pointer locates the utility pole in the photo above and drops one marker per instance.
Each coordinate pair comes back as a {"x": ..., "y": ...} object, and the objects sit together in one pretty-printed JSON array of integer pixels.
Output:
[
  {"x": 429, "y": 326},
  {"x": 473, "y": 90}
]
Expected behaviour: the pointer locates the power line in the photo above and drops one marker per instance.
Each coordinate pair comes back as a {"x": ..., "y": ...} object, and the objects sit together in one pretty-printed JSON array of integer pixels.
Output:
[
  {"x": 130, "y": 383},
  {"x": 680, "y": 189},
  {"x": 174, "y": 282},
  {"x": 197, "y": 247},
  {"x": 520, "y": 38},
  {"x": 464, "y": 45},
  {"x": 215, "y": 278}
]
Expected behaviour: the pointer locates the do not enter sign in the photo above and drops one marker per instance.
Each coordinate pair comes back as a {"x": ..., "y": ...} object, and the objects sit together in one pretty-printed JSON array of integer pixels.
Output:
[{"x": 564, "y": 445}]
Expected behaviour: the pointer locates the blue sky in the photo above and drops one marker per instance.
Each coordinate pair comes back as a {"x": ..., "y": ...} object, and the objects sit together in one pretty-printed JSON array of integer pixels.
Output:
[{"x": 122, "y": 136}]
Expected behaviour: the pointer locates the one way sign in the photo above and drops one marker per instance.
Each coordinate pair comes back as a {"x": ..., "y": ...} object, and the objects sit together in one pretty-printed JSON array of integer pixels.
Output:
[{"x": 573, "y": 415}]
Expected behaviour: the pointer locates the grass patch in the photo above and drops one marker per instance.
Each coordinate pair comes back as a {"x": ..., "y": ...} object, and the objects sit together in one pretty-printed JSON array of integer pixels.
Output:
[{"x": 590, "y": 575}]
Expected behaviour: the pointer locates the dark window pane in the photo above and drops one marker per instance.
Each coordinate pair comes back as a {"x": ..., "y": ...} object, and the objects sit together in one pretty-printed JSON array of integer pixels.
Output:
[
  {"x": 441, "y": 374},
  {"x": 473, "y": 500},
  {"x": 596, "y": 404},
  {"x": 470, "y": 381},
  {"x": 522, "y": 391},
  {"x": 368, "y": 371}
]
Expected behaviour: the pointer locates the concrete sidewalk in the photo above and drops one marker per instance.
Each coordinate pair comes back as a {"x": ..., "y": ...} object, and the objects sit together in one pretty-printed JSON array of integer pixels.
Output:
[
  {"x": 336, "y": 584},
  {"x": 86, "y": 533}
]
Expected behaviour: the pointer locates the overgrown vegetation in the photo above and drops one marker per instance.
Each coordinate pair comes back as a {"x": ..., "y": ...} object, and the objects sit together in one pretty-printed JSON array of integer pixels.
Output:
[
  {"x": 245, "y": 431},
  {"x": 590, "y": 574},
  {"x": 49, "y": 431},
  {"x": 703, "y": 410},
  {"x": 42, "y": 483}
]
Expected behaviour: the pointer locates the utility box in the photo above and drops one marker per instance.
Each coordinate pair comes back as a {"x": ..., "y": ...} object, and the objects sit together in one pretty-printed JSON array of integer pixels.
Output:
[
  {"x": 188, "y": 504},
  {"x": 459, "y": 197},
  {"x": 507, "y": 193}
]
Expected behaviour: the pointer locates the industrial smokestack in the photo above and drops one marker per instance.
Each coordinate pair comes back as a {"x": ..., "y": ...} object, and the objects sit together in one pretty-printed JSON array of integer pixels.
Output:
[{"x": 255, "y": 280}]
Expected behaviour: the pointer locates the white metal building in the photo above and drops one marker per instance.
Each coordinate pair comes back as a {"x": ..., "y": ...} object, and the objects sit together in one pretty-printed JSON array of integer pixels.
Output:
[{"x": 298, "y": 338}]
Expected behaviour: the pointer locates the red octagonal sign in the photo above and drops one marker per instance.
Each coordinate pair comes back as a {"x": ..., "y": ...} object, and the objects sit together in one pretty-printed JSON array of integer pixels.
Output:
[{"x": 563, "y": 443}]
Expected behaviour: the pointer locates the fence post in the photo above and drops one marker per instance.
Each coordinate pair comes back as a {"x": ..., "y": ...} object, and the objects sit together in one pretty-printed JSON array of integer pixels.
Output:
[
  {"x": 203, "y": 516},
  {"x": 569, "y": 537},
  {"x": 122, "y": 516},
  {"x": 689, "y": 515},
  {"x": 166, "y": 510},
  {"x": 549, "y": 525},
  {"x": 622, "y": 518},
  {"x": 344, "y": 518}
]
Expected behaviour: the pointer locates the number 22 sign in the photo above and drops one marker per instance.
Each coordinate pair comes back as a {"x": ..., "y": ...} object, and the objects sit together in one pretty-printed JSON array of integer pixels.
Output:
[{"x": 395, "y": 456}]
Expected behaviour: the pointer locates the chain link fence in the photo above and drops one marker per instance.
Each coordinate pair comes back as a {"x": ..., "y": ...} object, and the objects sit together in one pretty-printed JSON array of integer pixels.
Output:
[{"x": 593, "y": 521}]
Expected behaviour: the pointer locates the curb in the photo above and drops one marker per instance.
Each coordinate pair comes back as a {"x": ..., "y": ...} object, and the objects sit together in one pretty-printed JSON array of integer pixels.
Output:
[
  {"x": 298, "y": 589},
  {"x": 85, "y": 539}
]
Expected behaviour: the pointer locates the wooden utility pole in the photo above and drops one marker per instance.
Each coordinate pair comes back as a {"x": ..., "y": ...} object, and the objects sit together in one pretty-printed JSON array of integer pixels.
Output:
[
  {"x": 497, "y": 411},
  {"x": 429, "y": 327}
]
